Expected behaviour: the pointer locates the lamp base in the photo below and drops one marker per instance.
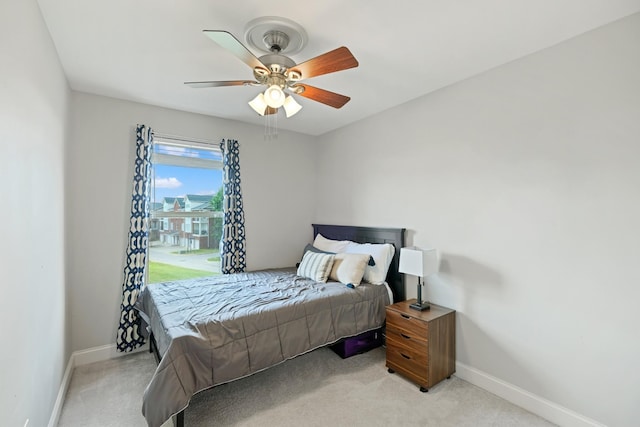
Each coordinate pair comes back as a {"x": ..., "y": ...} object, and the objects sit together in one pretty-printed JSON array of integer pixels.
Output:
[{"x": 420, "y": 306}]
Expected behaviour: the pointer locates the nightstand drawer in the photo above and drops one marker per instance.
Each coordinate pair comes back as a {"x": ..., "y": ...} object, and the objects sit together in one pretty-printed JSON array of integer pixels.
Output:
[
  {"x": 408, "y": 360},
  {"x": 414, "y": 351},
  {"x": 407, "y": 323},
  {"x": 408, "y": 339}
]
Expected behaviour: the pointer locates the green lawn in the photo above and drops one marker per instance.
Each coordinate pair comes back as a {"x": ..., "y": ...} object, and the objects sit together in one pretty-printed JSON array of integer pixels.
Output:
[{"x": 159, "y": 272}]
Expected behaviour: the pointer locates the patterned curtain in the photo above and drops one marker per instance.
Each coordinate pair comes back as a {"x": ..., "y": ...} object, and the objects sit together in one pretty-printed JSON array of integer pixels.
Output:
[
  {"x": 233, "y": 246},
  {"x": 129, "y": 331}
]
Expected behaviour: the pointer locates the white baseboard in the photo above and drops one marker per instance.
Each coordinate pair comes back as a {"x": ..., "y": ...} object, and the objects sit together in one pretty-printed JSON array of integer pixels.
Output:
[
  {"x": 542, "y": 407},
  {"x": 62, "y": 392},
  {"x": 79, "y": 358},
  {"x": 101, "y": 353}
]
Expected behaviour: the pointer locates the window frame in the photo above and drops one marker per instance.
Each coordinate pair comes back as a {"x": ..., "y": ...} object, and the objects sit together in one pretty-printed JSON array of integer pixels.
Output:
[{"x": 164, "y": 218}]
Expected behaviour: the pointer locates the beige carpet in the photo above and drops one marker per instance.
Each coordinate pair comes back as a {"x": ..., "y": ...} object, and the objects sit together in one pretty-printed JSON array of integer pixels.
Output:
[{"x": 316, "y": 389}]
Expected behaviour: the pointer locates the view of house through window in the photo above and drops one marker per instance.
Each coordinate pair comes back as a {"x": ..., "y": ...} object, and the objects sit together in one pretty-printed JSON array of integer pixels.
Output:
[{"x": 186, "y": 211}]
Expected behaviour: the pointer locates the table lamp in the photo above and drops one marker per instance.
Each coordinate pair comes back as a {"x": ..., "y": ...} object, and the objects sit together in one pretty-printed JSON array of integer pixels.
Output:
[{"x": 421, "y": 263}]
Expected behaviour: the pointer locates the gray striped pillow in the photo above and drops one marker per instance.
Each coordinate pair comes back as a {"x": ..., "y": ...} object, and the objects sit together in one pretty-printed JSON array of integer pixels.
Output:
[{"x": 316, "y": 266}]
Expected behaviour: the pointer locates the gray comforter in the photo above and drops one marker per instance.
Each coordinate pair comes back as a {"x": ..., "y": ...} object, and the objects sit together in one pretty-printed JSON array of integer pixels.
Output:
[{"x": 217, "y": 329}]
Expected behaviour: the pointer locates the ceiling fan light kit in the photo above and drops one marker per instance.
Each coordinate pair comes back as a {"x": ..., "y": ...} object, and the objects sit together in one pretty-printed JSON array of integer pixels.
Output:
[
  {"x": 274, "y": 96},
  {"x": 276, "y": 37},
  {"x": 259, "y": 104},
  {"x": 291, "y": 107}
]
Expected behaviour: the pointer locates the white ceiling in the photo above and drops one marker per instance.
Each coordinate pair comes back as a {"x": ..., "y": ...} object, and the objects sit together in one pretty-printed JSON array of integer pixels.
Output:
[{"x": 143, "y": 50}]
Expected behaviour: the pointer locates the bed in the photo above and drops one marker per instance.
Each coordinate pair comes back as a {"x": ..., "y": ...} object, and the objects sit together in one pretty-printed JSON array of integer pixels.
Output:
[{"x": 211, "y": 331}]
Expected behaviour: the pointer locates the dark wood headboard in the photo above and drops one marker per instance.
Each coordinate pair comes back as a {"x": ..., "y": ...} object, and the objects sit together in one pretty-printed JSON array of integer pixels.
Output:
[{"x": 395, "y": 236}]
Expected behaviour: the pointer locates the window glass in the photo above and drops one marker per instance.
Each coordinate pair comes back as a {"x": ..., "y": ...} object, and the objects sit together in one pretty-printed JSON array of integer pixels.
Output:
[{"x": 186, "y": 215}]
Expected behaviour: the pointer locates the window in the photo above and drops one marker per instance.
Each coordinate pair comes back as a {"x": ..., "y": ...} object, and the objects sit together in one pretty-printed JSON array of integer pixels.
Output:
[{"x": 186, "y": 210}]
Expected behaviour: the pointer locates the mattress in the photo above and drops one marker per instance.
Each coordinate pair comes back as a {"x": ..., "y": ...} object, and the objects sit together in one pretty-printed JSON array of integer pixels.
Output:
[{"x": 213, "y": 330}]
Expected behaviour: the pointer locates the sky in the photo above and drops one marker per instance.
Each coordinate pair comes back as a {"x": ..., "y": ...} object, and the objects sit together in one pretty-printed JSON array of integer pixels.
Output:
[{"x": 176, "y": 181}]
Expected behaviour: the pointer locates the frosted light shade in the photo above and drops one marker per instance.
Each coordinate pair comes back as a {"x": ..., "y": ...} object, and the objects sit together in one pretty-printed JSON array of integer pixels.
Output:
[
  {"x": 274, "y": 96},
  {"x": 258, "y": 104},
  {"x": 291, "y": 107},
  {"x": 418, "y": 262}
]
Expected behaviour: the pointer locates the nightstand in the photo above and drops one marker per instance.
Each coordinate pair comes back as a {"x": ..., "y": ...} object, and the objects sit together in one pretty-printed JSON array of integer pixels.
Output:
[{"x": 421, "y": 345}]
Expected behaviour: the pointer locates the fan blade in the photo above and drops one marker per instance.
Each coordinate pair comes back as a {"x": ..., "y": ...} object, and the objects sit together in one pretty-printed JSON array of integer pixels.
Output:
[
  {"x": 271, "y": 110},
  {"x": 330, "y": 62},
  {"x": 331, "y": 99},
  {"x": 222, "y": 83},
  {"x": 232, "y": 44}
]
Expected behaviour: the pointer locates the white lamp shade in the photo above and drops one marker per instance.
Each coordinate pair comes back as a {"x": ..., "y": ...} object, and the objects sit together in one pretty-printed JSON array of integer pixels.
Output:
[
  {"x": 258, "y": 104},
  {"x": 274, "y": 96},
  {"x": 418, "y": 262},
  {"x": 291, "y": 107}
]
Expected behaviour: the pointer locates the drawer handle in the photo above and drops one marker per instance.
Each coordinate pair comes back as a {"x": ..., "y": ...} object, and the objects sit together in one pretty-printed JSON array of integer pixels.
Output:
[
  {"x": 407, "y": 337},
  {"x": 405, "y": 356},
  {"x": 405, "y": 316}
]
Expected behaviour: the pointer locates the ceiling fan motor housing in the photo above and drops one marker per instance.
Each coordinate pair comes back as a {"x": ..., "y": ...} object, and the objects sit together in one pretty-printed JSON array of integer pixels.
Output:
[{"x": 279, "y": 65}]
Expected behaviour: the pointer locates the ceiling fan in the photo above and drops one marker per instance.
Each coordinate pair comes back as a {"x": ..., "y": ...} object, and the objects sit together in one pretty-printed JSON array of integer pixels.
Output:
[{"x": 279, "y": 73}]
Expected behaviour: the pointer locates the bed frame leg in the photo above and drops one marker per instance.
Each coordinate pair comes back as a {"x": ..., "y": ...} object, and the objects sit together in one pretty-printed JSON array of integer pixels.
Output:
[
  {"x": 153, "y": 348},
  {"x": 179, "y": 419}
]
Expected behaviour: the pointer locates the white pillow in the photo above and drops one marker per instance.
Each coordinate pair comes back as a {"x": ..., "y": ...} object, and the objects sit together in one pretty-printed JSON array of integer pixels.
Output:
[
  {"x": 382, "y": 255},
  {"x": 329, "y": 245},
  {"x": 315, "y": 266},
  {"x": 349, "y": 268}
]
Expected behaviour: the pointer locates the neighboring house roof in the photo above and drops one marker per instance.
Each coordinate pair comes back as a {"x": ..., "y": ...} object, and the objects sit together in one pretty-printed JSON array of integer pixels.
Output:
[
  {"x": 169, "y": 202},
  {"x": 199, "y": 202},
  {"x": 193, "y": 202},
  {"x": 201, "y": 206},
  {"x": 156, "y": 206},
  {"x": 173, "y": 199},
  {"x": 199, "y": 197}
]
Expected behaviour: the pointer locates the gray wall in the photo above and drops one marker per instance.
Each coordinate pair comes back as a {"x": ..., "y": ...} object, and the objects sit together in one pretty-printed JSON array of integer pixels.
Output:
[
  {"x": 278, "y": 178},
  {"x": 526, "y": 178},
  {"x": 34, "y": 99}
]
